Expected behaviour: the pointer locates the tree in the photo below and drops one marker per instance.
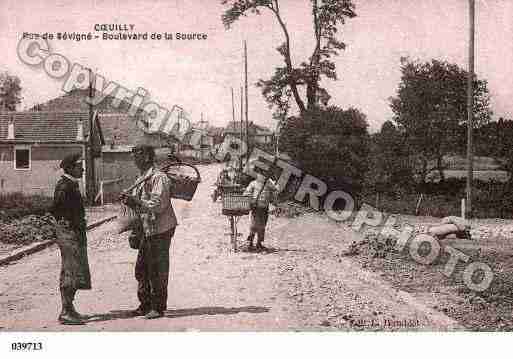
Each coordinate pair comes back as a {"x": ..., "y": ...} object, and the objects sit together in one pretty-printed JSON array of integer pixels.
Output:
[
  {"x": 495, "y": 140},
  {"x": 287, "y": 80},
  {"x": 331, "y": 144},
  {"x": 430, "y": 108},
  {"x": 390, "y": 170},
  {"x": 10, "y": 92}
]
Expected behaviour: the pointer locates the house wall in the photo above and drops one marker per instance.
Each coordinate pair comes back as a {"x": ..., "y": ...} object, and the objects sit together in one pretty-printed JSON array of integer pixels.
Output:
[
  {"x": 203, "y": 154},
  {"x": 43, "y": 174},
  {"x": 117, "y": 165},
  {"x": 262, "y": 139}
]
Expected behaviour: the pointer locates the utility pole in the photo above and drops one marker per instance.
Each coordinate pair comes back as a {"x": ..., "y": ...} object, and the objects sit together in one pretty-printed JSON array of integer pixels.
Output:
[
  {"x": 470, "y": 113},
  {"x": 203, "y": 127},
  {"x": 90, "y": 173},
  {"x": 233, "y": 108},
  {"x": 201, "y": 138},
  {"x": 278, "y": 131},
  {"x": 241, "y": 125},
  {"x": 235, "y": 124},
  {"x": 246, "y": 87},
  {"x": 3, "y": 95}
]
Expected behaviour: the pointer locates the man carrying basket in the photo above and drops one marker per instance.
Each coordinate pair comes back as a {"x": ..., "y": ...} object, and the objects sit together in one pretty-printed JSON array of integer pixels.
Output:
[
  {"x": 151, "y": 199},
  {"x": 263, "y": 191}
]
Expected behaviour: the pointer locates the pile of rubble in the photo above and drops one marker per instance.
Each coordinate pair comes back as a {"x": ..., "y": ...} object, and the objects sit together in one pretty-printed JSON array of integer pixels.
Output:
[
  {"x": 290, "y": 210},
  {"x": 374, "y": 244},
  {"x": 378, "y": 245},
  {"x": 28, "y": 229},
  {"x": 492, "y": 232}
]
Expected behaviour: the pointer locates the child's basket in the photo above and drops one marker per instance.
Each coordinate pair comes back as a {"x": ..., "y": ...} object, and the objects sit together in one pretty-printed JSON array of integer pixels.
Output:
[
  {"x": 235, "y": 204},
  {"x": 184, "y": 185}
]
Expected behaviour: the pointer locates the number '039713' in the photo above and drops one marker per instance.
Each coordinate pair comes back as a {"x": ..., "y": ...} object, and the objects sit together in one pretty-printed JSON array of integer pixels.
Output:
[{"x": 29, "y": 346}]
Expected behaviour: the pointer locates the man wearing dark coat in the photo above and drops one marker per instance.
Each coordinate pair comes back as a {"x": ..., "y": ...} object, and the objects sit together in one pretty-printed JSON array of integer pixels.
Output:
[{"x": 68, "y": 210}]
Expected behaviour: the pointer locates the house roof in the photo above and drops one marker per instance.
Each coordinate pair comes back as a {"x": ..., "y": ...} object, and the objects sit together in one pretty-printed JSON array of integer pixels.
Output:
[
  {"x": 119, "y": 129},
  {"x": 57, "y": 127},
  {"x": 235, "y": 127},
  {"x": 122, "y": 130},
  {"x": 260, "y": 130},
  {"x": 76, "y": 100},
  {"x": 215, "y": 131}
]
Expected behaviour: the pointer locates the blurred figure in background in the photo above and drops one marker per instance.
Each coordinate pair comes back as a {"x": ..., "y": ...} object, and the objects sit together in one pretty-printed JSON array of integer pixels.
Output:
[{"x": 263, "y": 191}]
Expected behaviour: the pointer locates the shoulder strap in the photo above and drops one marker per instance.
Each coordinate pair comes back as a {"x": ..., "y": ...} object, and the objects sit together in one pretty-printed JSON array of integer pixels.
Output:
[
  {"x": 262, "y": 189},
  {"x": 138, "y": 182}
]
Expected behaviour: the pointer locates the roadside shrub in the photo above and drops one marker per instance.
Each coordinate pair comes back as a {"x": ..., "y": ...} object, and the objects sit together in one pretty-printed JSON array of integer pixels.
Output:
[
  {"x": 451, "y": 186},
  {"x": 28, "y": 229},
  {"x": 489, "y": 200},
  {"x": 17, "y": 205}
]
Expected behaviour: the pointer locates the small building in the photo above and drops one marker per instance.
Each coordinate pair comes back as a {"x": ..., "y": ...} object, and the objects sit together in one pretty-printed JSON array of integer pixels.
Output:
[
  {"x": 198, "y": 144},
  {"x": 257, "y": 134},
  {"x": 263, "y": 135},
  {"x": 121, "y": 130},
  {"x": 32, "y": 144},
  {"x": 236, "y": 128},
  {"x": 117, "y": 170}
]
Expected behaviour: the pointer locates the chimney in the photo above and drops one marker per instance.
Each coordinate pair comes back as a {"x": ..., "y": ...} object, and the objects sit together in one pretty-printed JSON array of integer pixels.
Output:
[
  {"x": 80, "y": 131},
  {"x": 10, "y": 130}
]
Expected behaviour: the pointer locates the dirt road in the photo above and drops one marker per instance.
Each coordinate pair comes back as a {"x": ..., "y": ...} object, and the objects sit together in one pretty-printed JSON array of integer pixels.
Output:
[{"x": 302, "y": 283}]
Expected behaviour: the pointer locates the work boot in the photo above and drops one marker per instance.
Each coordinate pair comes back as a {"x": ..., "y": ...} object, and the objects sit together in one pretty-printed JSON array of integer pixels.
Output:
[
  {"x": 76, "y": 314},
  {"x": 250, "y": 246},
  {"x": 140, "y": 311},
  {"x": 249, "y": 241},
  {"x": 153, "y": 314},
  {"x": 67, "y": 316},
  {"x": 260, "y": 247},
  {"x": 72, "y": 311}
]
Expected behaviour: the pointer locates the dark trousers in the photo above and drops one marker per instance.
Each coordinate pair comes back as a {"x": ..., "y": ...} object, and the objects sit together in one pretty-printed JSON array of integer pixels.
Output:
[
  {"x": 259, "y": 216},
  {"x": 152, "y": 271}
]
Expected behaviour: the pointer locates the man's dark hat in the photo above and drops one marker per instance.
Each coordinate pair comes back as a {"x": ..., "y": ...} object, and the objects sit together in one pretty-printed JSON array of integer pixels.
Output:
[{"x": 70, "y": 160}]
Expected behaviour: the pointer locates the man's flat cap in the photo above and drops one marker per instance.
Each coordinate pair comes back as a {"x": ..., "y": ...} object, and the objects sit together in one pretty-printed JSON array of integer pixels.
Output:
[{"x": 70, "y": 160}]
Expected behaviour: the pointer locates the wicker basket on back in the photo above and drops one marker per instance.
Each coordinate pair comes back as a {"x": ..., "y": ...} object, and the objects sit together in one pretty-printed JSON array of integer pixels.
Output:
[{"x": 184, "y": 185}]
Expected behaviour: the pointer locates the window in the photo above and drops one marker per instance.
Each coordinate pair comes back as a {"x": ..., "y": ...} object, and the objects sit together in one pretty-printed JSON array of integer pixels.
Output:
[{"x": 22, "y": 157}]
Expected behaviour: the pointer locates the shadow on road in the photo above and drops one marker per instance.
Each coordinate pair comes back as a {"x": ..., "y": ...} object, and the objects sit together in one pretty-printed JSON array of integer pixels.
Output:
[
  {"x": 213, "y": 311},
  {"x": 269, "y": 250},
  {"x": 177, "y": 313},
  {"x": 112, "y": 315}
]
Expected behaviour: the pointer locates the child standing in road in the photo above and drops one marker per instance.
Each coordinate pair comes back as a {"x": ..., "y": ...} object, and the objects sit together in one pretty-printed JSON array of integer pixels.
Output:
[{"x": 263, "y": 191}]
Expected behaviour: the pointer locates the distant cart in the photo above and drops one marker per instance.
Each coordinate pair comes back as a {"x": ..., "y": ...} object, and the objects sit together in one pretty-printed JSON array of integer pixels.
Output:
[
  {"x": 235, "y": 205},
  {"x": 224, "y": 184}
]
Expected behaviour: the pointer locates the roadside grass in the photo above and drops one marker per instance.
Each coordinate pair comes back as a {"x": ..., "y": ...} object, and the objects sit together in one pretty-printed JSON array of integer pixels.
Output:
[
  {"x": 483, "y": 175},
  {"x": 480, "y": 163},
  {"x": 491, "y": 199}
]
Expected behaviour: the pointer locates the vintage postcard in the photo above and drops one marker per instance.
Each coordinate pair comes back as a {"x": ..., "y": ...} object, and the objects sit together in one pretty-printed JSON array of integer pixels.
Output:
[{"x": 256, "y": 165}]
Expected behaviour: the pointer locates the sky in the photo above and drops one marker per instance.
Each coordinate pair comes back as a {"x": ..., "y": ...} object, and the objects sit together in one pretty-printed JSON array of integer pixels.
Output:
[{"x": 198, "y": 74}]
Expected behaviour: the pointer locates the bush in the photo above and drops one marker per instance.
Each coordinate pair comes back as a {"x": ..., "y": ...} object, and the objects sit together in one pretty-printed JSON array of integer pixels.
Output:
[
  {"x": 331, "y": 144},
  {"x": 17, "y": 205},
  {"x": 489, "y": 200}
]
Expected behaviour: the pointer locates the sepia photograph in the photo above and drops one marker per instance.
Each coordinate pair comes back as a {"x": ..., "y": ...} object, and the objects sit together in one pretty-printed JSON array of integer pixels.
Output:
[{"x": 282, "y": 166}]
